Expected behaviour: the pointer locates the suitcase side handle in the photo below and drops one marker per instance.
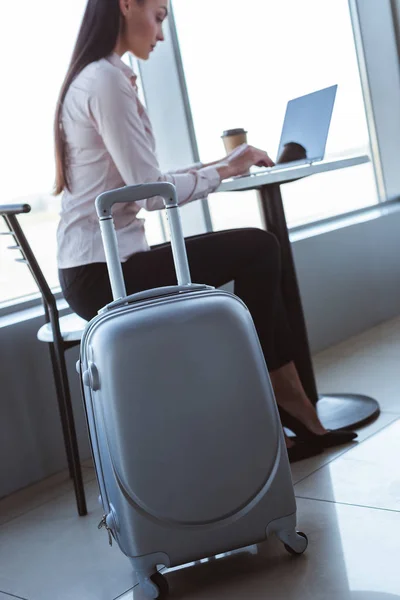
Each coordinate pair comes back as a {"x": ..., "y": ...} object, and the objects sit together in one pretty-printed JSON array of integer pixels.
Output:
[{"x": 133, "y": 193}]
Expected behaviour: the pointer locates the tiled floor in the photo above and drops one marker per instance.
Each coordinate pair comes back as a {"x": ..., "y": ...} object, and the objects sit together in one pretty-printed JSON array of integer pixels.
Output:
[{"x": 348, "y": 504}]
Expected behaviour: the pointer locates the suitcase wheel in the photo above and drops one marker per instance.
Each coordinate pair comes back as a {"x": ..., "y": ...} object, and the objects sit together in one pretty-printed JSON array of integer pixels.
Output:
[
  {"x": 300, "y": 547},
  {"x": 156, "y": 587}
]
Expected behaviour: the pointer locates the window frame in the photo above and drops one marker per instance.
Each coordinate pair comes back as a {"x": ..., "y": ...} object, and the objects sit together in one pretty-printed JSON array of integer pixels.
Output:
[
  {"x": 382, "y": 112},
  {"x": 383, "y": 116},
  {"x": 164, "y": 76}
]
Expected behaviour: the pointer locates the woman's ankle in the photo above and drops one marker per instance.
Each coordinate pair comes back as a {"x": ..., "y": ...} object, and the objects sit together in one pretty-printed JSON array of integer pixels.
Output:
[{"x": 290, "y": 396}]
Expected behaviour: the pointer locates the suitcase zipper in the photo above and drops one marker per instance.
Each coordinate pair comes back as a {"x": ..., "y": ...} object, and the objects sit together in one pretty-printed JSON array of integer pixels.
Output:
[{"x": 103, "y": 523}]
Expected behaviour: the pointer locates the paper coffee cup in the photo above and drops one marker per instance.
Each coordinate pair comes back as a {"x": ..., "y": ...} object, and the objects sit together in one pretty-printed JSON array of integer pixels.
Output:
[{"x": 233, "y": 138}]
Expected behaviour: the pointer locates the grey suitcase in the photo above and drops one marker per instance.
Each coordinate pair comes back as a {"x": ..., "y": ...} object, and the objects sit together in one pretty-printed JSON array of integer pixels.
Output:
[{"x": 186, "y": 438}]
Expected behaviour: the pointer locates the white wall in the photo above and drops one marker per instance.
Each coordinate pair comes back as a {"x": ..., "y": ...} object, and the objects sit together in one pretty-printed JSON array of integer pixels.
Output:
[
  {"x": 349, "y": 277},
  {"x": 349, "y": 280}
]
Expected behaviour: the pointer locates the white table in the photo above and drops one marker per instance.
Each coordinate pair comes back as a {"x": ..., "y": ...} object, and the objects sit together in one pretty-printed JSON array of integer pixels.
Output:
[
  {"x": 335, "y": 410},
  {"x": 284, "y": 175}
]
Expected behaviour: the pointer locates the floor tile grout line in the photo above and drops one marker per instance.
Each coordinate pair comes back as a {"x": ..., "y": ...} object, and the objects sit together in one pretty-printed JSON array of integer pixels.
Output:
[
  {"x": 126, "y": 592},
  {"x": 390, "y": 510},
  {"x": 297, "y": 482},
  {"x": 136, "y": 585},
  {"x": 322, "y": 466},
  {"x": 63, "y": 494},
  {"x": 37, "y": 483},
  {"x": 356, "y": 445},
  {"x": 13, "y": 595},
  {"x": 58, "y": 497}
]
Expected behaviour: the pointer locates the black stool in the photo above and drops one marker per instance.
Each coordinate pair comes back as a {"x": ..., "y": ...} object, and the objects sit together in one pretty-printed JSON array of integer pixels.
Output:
[{"x": 58, "y": 343}]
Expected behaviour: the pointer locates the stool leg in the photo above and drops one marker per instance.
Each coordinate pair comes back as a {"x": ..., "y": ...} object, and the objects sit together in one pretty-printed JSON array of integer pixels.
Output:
[
  {"x": 61, "y": 408},
  {"x": 68, "y": 424}
]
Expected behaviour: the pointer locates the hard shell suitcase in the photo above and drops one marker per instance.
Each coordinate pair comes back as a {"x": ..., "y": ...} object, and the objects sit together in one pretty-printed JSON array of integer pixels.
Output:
[{"x": 185, "y": 433}]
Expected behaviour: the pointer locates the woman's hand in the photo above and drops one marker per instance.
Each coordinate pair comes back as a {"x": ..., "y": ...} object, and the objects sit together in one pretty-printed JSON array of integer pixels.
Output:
[{"x": 239, "y": 161}]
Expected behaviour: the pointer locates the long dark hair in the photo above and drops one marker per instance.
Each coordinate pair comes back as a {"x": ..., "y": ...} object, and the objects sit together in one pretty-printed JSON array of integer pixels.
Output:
[{"x": 97, "y": 38}]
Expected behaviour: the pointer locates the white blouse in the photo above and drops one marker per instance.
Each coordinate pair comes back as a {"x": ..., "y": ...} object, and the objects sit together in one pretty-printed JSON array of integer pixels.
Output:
[{"x": 110, "y": 143}]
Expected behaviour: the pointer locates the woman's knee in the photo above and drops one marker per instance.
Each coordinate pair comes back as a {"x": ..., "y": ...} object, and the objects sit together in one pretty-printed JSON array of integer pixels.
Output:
[{"x": 263, "y": 243}]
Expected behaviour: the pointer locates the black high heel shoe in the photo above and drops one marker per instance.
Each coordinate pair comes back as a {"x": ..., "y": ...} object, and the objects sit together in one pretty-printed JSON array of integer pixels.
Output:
[
  {"x": 334, "y": 437},
  {"x": 301, "y": 450}
]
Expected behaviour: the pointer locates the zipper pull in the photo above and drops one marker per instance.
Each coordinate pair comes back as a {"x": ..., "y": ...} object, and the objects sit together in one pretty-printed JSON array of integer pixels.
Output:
[{"x": 103, "y": 523}]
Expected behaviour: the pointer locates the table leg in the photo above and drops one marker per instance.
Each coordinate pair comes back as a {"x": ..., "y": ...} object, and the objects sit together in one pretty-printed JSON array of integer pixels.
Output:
[{"x": 335, "y": 410}]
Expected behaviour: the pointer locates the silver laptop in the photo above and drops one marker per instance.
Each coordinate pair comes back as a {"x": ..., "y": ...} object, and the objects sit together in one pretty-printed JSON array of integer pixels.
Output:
[{"x": 305, "y": 129}]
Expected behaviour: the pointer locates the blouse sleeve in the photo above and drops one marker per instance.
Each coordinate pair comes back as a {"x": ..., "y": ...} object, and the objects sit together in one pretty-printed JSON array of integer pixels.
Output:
[{"x": 115, "y": 112}]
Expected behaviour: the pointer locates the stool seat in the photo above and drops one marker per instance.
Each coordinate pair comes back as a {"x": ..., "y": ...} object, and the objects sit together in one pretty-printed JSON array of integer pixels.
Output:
[{"x": 71, "y": 327}]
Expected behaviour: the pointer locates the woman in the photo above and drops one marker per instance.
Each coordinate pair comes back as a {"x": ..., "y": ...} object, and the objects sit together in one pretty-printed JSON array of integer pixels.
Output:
[{"x": 104, "y": 140}]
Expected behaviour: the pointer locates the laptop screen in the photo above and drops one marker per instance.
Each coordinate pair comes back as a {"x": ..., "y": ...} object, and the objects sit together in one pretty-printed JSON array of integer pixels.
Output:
[{"x": 306, "y": 126}]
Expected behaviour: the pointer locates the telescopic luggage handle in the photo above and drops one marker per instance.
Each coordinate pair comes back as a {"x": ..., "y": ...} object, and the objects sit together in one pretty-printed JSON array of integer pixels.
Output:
[{"x": 133, "y": 193}]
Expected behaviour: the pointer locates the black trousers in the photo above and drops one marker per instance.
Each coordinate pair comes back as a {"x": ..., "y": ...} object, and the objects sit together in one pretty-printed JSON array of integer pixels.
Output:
[{"x": 249, "y": 257}]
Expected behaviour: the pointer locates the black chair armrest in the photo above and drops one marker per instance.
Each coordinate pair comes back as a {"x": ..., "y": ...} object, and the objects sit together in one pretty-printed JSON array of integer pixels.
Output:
[{"x": 14, "y": 209}]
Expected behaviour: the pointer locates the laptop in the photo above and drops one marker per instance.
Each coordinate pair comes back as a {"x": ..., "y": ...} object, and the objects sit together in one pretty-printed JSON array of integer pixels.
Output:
[{"x": 305, "y": 129}]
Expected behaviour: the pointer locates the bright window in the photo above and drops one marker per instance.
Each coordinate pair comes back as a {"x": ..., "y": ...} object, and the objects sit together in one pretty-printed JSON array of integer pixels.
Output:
[
  {"x": 32, "y": 70},
  {"x": 243, "y": 62}
]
